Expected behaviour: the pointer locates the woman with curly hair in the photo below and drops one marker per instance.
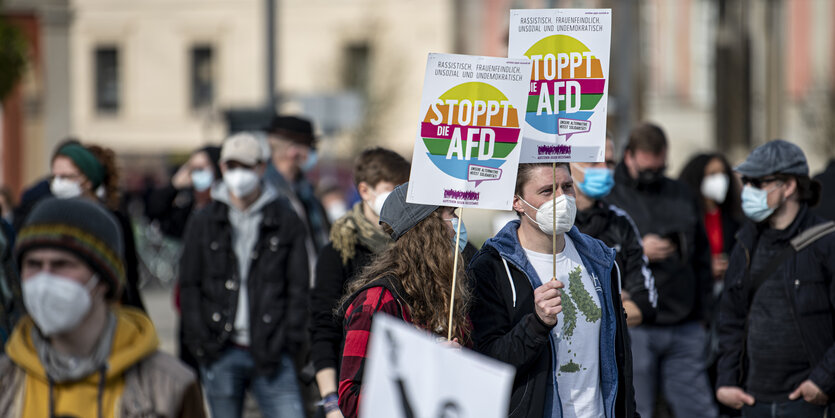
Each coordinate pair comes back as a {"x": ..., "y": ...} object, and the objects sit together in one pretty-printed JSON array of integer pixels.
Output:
[
  {"x": 90, "y": 172},
  {"x": 411, "y": 280}
]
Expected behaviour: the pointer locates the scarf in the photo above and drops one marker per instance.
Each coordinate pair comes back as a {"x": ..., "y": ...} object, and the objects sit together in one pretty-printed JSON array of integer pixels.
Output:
[
  {"x": 355, "y": 228},
  {"x": 65, "y": 368}
]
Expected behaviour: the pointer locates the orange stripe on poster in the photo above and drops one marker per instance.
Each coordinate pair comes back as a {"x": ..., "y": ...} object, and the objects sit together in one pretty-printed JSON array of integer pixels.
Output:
[{"x": 495, "y": 120}]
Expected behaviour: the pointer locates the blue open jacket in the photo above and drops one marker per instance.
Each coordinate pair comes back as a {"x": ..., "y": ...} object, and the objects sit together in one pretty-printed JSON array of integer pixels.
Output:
[{"x": 506, "y": 327}]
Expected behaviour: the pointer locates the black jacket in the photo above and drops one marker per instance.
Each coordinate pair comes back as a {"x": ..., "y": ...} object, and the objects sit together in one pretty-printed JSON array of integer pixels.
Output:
[
  {"x": 669, "y": 209},
  {"x": 332, "y": 279},
  {"x": 810, "y": 288},
  {"x": 512, "y": 332},
  {"x": 615, "y": 228},
  {"x": 277, "y": 285}
]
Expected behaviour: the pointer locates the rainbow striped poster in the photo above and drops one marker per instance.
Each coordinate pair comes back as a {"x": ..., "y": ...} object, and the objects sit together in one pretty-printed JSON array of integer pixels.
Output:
[
  {"x": 565, "y": 114},
  {"x": 468, "y": 138}
]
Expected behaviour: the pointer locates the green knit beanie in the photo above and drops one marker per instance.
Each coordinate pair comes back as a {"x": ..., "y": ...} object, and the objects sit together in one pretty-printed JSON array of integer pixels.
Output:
[{"x": 85, "y": 161}]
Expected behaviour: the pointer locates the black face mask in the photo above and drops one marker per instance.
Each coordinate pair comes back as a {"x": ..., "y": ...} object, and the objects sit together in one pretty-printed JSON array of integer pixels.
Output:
[{"x": 649, "y": 176}]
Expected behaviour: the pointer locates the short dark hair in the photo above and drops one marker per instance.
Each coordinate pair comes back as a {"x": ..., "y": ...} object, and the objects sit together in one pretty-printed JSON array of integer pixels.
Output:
[
  {"x": 525, "y": 171},
  {"x": 379, "y": 164},
  {"x": 647, "y": 137}
]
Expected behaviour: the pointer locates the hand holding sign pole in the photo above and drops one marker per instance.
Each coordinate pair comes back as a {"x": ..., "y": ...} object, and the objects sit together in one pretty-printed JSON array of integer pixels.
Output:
[{"x": 468, "y": 140}]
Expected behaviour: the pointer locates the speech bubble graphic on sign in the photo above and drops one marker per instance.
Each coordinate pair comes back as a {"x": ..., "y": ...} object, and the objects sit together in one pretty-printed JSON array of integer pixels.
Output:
[
  {"x": 480, "y": 174},
  {"x": 570, "y": 127},
  {"x": 569, "y": 49},
  {"x": 469, "y": 136}
]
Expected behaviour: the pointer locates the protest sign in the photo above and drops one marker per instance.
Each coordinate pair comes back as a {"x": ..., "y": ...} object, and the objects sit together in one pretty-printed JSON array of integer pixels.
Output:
[
  {"x": 409, "y": 374},
  {"x": 566, "y": 108},
  {"x": 467, "y": 146}
]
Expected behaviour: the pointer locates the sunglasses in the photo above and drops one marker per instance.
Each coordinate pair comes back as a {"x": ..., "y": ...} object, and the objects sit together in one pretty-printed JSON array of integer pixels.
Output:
[{"x": 760, "y": 182}]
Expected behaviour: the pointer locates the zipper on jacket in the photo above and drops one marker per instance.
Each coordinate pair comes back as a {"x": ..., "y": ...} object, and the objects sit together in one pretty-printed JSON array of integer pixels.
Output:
[{"x": 792, "y": 305}]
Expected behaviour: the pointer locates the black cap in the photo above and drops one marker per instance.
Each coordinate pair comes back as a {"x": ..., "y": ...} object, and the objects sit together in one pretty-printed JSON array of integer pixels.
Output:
[
  {"x": 293, "y": 128},
  {"x": 401, "y": 215},
  {"x": 775, "y": 157}
]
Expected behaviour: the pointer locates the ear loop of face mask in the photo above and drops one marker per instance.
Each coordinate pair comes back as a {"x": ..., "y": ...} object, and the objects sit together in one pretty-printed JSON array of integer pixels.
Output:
[{"x": 526, "y": 213}]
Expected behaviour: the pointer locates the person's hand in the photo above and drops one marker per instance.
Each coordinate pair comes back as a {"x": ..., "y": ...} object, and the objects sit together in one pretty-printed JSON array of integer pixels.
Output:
[
  {"x": 734, "y": 397},
  {"x": 451, "y": 344},
  {"x": 719, "y": 264},
  {"x": 657, "y": 248},
  {"x": 634, "y": 317},
  {"x": 810, "y": 392},
  {"x": 182, "y": 178},
  {"x": 547, "y": 301}
]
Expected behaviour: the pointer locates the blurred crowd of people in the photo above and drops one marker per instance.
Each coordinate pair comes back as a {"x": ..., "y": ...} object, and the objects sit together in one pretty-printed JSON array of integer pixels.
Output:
[{"x": 619, "y": 291}]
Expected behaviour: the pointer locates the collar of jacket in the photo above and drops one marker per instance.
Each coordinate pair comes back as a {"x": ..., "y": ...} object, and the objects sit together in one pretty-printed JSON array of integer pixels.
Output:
[
  {"x": 595, "y": 254},
  {"x": 594, "y": 220},
  {"x": 750, "y": 232}
]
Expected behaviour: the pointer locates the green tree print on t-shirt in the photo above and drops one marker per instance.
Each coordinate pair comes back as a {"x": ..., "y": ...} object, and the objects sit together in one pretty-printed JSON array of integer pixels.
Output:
[
  {"x": 581, "y": 297},
  {"x": 576, "y": 298}
]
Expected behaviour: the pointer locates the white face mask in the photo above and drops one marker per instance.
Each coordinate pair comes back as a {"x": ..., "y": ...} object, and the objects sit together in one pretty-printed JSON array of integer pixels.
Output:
[
  {"x": 241, "y": 181},
  {"x": 56, "y": 303},
  {"x": 566, "y": 208},
  {"x": 336, "y": 210},
  {"x": 377, "y": 204},
  {"x": 64, "y": 188},
  {"x": 715, "y": 187}
]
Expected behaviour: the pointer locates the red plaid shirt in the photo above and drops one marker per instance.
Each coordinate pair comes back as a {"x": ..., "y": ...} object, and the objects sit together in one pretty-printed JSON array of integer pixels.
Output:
[{"x": 357, "y": 326}]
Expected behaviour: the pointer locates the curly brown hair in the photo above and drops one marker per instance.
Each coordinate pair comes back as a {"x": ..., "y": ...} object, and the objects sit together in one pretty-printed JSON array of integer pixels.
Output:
[
  {"x": 422, "y": 260},
  {"x": 107, "y": 158}
]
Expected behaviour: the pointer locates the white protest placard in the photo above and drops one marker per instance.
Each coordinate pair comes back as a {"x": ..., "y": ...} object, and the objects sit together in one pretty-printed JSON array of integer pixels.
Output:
[
  {"x": 467, "y": 145},
  {"x": 565, "y": 117},
  {"x": 409, "y": 374}
]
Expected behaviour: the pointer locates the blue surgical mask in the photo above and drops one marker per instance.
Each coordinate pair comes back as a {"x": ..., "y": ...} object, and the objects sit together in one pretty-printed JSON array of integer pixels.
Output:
[
  {"x": 597, "y": 182},
  {"x": 755, "y": 203},
  {"x": 202, "y": 179},
  {"x": 462, "y": 237},
  {"x": 312, "y": 159}
]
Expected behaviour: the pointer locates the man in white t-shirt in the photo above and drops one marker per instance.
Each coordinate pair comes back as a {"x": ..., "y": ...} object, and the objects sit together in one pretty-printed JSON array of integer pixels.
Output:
[{"x": 558, "y": 320}]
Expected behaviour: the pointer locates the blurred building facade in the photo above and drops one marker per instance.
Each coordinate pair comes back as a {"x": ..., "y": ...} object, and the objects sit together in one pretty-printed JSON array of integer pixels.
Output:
[{"x": 155, "y": 77}]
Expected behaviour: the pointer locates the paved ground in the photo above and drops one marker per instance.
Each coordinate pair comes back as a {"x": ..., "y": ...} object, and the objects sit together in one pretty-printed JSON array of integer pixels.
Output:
[{"x": 160, "y": 307}]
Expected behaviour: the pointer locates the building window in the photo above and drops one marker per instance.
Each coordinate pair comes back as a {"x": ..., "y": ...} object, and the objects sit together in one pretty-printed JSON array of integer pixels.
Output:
[
  {"x": 357, "y": 67},
  {"x": 202, "y": 77},
  {"x": 107, "y": 79}
]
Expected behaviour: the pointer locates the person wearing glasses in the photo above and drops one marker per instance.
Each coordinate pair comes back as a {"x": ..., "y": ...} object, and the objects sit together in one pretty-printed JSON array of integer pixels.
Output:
[{"x": 776, "y": 335}]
